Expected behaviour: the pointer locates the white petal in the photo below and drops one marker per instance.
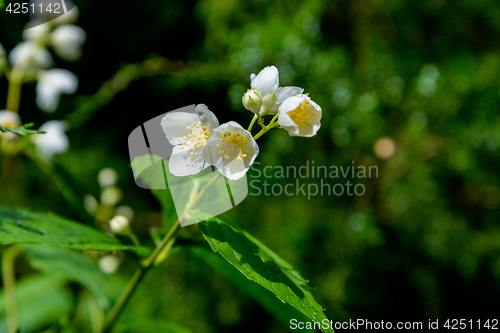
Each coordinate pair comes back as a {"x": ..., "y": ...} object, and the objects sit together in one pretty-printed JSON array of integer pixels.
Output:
[
  {"x": 174, "y": 125},
  {"x": 54, "y": 141},
  {"x": 36, "y": 30},
  {"x": 9, "y": 119},
  {"x": 252, "y": 76},
  {"x": 207, "y": 118},
  {"x": 51, "y": 84},
  {"x": 29, "y": 54},
  {"x": 267, "y": 81},
  {"x": 232, "y": 167},
  {"x": 284, "y": 93},
  {"x": 181, "y": 162},
  {"x": 67, "y": 41}
]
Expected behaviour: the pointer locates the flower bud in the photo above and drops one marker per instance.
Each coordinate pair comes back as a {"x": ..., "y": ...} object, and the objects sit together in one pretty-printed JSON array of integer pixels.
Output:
[
  {"x": 252, "y": 101},
  {"x": 109, "y": 264},
  {"x": 267, "y": 104},
  {"x": 119, "y": 224}
]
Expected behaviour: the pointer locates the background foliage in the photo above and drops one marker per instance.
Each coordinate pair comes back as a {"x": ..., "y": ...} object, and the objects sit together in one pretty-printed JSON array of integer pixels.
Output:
[{"x": 423, "y": 242}]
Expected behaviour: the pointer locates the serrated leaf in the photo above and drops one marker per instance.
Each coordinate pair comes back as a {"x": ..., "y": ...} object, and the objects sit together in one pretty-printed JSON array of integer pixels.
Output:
[
  {"x": 20, "y": 226},
  {"x": 258, "y": 263},
  {"x": 41, "y": 301},
  {"x": 73, "y": 266},
  {"x": 264, "y": 297},
  {"x": 22, "y": 131}
]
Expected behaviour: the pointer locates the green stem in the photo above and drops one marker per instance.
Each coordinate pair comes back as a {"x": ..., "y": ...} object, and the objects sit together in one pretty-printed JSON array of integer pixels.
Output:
[
  {"x": 14, "y": 93},
  {"x": 147, "y": 263},
  {"x": 255, "y": 117},
  {"x": 134, "y": 239},
  {"x": 9, "y": 279},
  {"x": 272, "y": 124}
]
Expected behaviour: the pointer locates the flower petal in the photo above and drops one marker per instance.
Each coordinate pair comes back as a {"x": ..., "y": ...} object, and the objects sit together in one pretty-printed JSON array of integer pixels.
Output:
[
  {"x": 174, "y": 125},
  {"x": 51, "y": 84},
  {"x": 267, "y": 81},
  {"x": 207, "y": 118},
  {"x": 284, "y": 93},
  {"x": 183, "y": 163},
  {"x": 224, "y": 150},
  {"x": 54, "y": 141}
]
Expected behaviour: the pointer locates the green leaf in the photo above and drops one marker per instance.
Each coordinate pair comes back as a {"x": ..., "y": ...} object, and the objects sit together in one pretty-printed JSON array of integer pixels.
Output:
[
  {"x": 273, "y": 305},
  {"x": 20, "y": 226},
  {"x": 149, "y": 326},
  {"x": 258, "y": 263},
  {"x": 73, "y": 266},
  {"x": 41, "y": 301},
  {"x": 23, "y": 130}
]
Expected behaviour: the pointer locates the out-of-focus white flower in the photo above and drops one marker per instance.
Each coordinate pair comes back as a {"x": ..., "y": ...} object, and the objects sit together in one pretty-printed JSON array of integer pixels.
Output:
[
  {"x": 111, "y": 195},
  {"x": 67, "y": 41},
  {"x": 29, "y": 54},
  {"x": 300, "y": 116},
  {"x": 107, "y": 177},
  {"x": 232, "y": 149},
  {"x": 54, "y": 141},
  {"x": 266, "y": 83},
  {"x": 38, "y": 32},
  {"x": 109, "y": 264},
  {"x": 126, "y": 211},
  {"x": 51, "y": 84},
  {"x": 9, "y": 119},
  {"x": 188, "y": 133},
  {"x": 252, "y": 101},
  {"x": 119, "y": 224}
]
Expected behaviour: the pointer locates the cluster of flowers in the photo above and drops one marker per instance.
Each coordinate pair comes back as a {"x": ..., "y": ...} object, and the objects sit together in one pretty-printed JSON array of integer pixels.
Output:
[
  {"x": 31, "y": 60},
  {"x": 200, "y": 141}
]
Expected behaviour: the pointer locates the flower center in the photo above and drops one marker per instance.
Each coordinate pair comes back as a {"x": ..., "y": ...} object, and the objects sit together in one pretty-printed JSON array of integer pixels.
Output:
[
  {"x": 10, "y": 125},
  {"x": 196, "y": 139},
  {"x": 232, "y": 150},
  {"x": 300, "y": 115}
]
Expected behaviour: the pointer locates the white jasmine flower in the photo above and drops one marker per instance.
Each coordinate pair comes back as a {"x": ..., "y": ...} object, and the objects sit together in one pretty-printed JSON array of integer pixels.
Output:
[
  {"x": 53, "y": 142},
  {"x": 266, "y": 83},
  {"x": 9, "y": 119},
  {"x": 188, "y": 133},
  {"x": 119, "y": 224},
  {"x": 51, "y": 84},
  {"x": 300, "y": 116},
  {"x": 67, "y": 41},
  {"x": 109, "y": 264},
  {"x": 232, "y": 149},
  {"x": 30, "y": 54}
]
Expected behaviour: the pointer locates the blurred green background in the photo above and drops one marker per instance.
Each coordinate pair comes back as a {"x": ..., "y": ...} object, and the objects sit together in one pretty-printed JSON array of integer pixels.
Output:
[{"x": 421, "y": 76}]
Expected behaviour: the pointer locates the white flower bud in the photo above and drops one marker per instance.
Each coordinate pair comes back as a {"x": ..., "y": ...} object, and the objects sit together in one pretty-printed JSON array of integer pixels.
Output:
[
  {"x": 119, "y": 224},
  {"x": 251, "y": 101},
  {"x": 107, "y": 177},
  {"x": 267, "y": 104},
  {"x": 109, "y": 264},
  {"x": 110, "y": 196}
]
